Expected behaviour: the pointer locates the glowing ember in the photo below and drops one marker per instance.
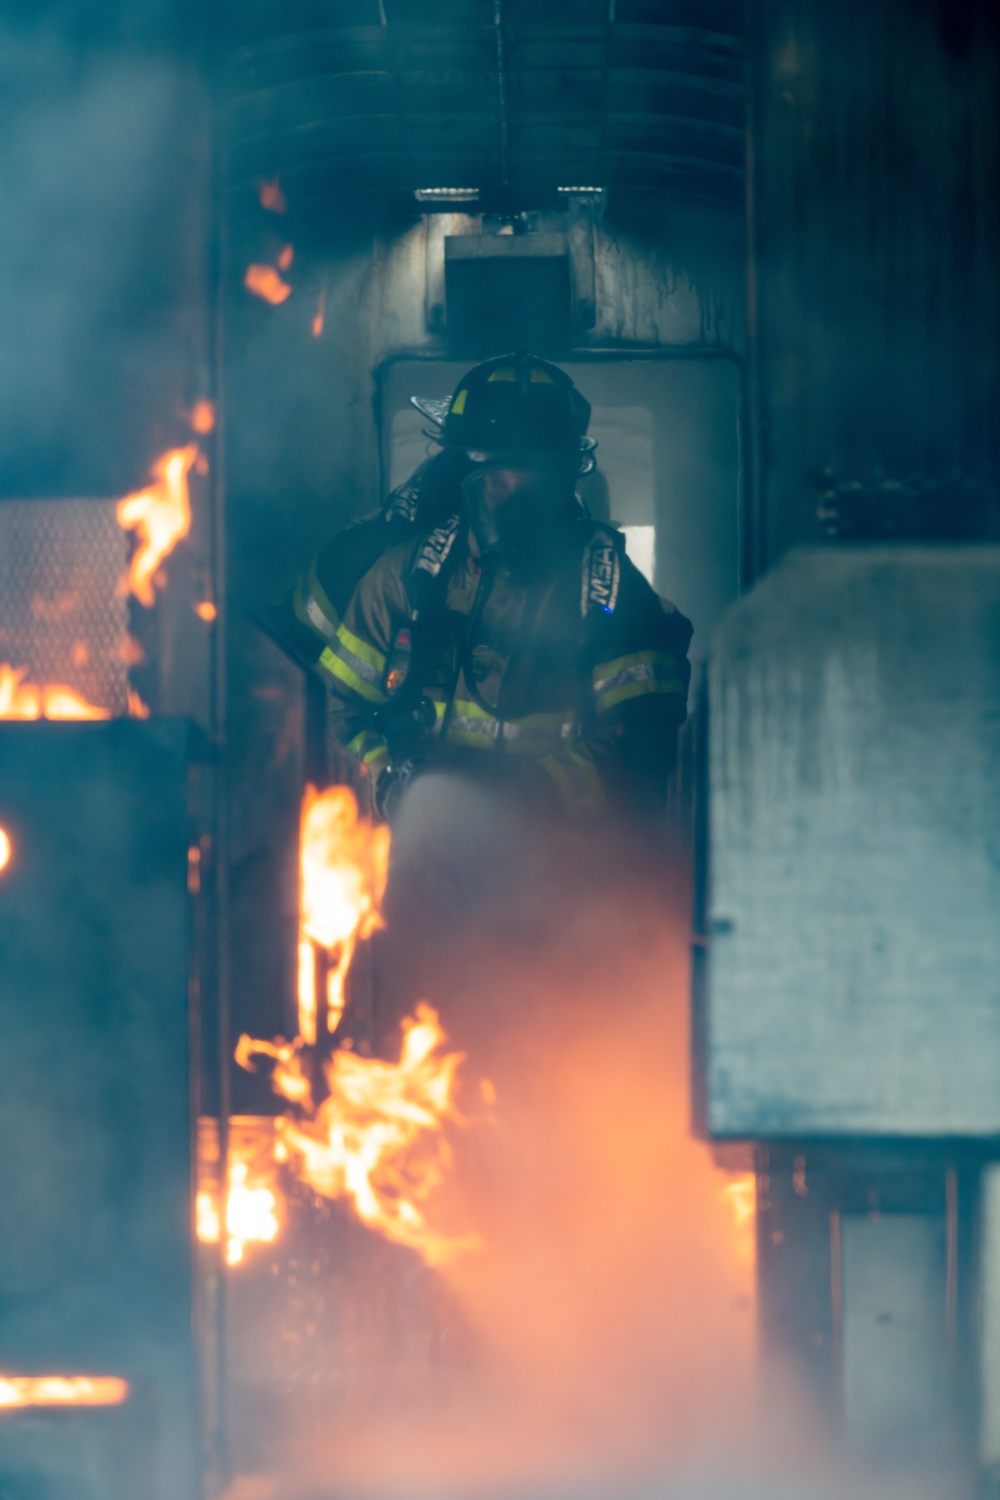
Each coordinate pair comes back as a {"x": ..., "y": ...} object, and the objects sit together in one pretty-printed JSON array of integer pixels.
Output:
[
  {"x": 5, "y": 848},
  {"x": 160, "y": 515},
  {"x": 253, "y": 1200},
  {"x": 267, "y": 283},
  {"x": 51, "y": 700},
  {"x": 289, "y": 1078},
  {"x": 741, "y": 1195},
  {"x": 271, "y": 197},
  {"x": 206, "y": 611},
  {"x": 378, "y": 1138},
  {"x": 203, "y": 417},
  {"x": 136, "y": 708},
  {"x": 344, "y": 864},
  {"x": 319, "y": 316},
  {"x": 286, "y": 257},
  {"x": 62, "y": 1390}
]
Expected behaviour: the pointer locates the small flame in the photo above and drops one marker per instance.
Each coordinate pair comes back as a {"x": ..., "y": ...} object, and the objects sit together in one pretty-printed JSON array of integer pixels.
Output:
[
  {"x": 62, "y": 1390},
  {"x": 377, "y": 1138},
  {"x": 308, "y": 1010},
  {"x": 267, "y": 283},
  {"x": 252, "y": 1200},
  {"x": 52, "y": 700},
  {"x": 319, "y": 316},
  {"x": 5, "y": 848},
  {"x": 289, "y": 1078},
  {"x": 741, "y": 1195},
  {"x": 203, "y": 417},
  {"x": 271, "y": 197},
  {"x": 206, "y": 611},
  {"x": 286, "y": 257},
  {"x": 136, "y": 708},
  {"x": 161, "y": 515},
  {"x": 344, "y": 865}
]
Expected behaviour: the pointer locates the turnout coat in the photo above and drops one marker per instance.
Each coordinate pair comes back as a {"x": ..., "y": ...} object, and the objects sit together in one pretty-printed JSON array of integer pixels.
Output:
[{"x": 560, "y": 669}]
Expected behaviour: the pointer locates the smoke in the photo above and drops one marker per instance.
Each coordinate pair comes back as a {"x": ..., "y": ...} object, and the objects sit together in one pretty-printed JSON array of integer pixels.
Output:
[
  {"x": 603, "y": 1341},
  {"x": 100, "y": 171}
]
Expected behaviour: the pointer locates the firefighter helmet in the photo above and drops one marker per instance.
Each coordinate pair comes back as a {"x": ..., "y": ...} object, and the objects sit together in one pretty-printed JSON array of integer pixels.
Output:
[{"x": 516, "y": 404}]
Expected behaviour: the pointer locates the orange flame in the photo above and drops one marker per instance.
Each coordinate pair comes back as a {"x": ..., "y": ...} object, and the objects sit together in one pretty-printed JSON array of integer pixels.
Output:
[
  {"x": 319, "y": 316},
  {"x": 741, "y": 1195},
  {"x": 267, "y": 283},
  {"x": 377, "y": 1138},
  {"x": 5, "y": 848},
  {"x": 252, "y": 1202},
  {"x": 203, "y": 417},
  {"x": 271, "y": 196},
  {"x": 286, "y": 257},
  {"x": 161, "y": 515},
  {"x": 52, "y": 700},
  {"x": 344, "y": 865},
  {"x": 206, "y": 611},
  {"x": 62, "y": 1390},
  {"x": 136, "y": 708},
  {"x": 289, "y": 1078}
]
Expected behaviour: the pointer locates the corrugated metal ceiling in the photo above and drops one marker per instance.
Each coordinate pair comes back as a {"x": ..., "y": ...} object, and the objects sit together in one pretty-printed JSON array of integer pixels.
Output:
[{"x": 515, "y": 97}]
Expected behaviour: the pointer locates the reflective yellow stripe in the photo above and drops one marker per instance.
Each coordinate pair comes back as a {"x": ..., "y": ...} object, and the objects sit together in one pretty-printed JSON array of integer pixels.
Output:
[
  {"x": 356, "y": 663},
  {"x": 322, "y": 597},
  {"x": 534, "y": 734},
  {"x": 364, "y": 649},
  {"x": 313, "y": 607},
  {"x": 633, "y": 676},
  {"x": 471, "y": 725},
  {"x": 371, "y": 749},
  {"x": 576, "y": 780},
  {"x": 331, "y": 662}
]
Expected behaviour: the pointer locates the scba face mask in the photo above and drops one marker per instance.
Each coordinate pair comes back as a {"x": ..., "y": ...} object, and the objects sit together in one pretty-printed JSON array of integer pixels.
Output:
[{"x": 510, "y": 501}]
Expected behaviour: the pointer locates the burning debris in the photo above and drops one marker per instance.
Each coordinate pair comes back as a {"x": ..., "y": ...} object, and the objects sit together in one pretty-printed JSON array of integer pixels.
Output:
[
  {"x": 253, "y": 1198},
  {"x": 52, "y": 700},
  {"x": 271, "y": 197},
  {"x": 344, "y": 867},
  {"x": 378, "y": 1135},
  {"x": 160, "y": 515},
  {"x": 319, "y": 316},
  {"x": 741, "y": 1195},
  {"x": 62, "y": 1390},
  {"x": 267, "y": 283}
]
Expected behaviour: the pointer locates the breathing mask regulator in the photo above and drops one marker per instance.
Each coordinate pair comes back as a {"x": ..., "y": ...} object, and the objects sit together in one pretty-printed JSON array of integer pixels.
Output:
[{"x": 521, "y": 424}]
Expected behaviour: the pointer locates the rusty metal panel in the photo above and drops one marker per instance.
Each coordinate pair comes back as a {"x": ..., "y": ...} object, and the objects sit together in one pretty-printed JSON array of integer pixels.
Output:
[
  {"x": 854, "y": 829},
  {"x": 95, "y": 1174}
]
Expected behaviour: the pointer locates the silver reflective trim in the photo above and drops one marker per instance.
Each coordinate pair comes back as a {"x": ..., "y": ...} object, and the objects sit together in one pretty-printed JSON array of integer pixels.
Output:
[
  {"x": 638, "y": 671},
  {"x": 318, "y": 619}
]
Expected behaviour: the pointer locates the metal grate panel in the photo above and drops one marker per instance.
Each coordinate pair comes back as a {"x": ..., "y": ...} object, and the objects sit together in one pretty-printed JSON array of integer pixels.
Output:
[{"x": 60, "y": 562}]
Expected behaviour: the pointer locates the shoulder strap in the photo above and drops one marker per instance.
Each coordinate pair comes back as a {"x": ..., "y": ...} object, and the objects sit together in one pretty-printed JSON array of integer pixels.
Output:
[
  {"x": 602, "y": 572},
  {"x": 428, "y": 564}
]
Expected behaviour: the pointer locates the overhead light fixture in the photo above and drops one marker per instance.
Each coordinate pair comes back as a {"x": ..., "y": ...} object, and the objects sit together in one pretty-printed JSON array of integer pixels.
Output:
[
  {"x": 447, "y": 194},
  {"x": 582, "y": 192}
]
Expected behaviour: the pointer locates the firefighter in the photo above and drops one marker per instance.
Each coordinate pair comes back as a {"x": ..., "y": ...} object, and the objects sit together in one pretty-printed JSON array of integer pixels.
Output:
[
  {"x": 305, "y": 621},
  {"x": 514, "y": 640}
]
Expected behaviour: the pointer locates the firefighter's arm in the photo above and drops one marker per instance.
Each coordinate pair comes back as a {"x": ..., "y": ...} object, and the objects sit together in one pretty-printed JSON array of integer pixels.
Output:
[
  {"x": 639, "y": 686},
  {"x": 305, "y": 621},
  {"x": 354, "y": 660}
]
